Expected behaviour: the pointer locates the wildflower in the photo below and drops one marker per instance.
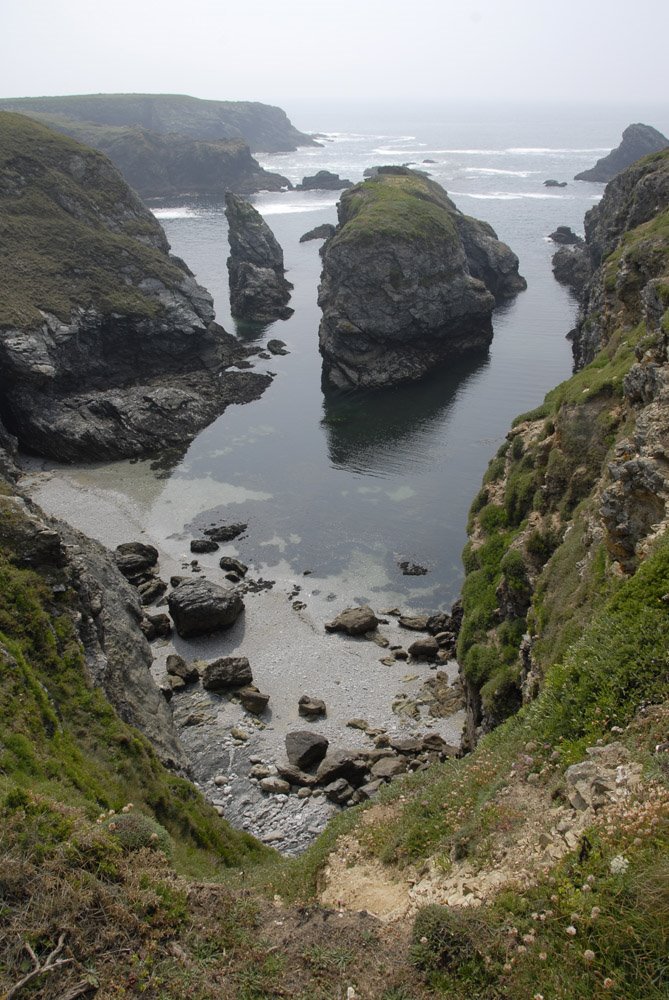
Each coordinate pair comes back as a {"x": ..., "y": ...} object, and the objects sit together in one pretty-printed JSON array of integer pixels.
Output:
[
  {"x": 554, "y": 898},
  {"x": 608, "y": 983},
  {"x": 128, "y": 808},
  {"x": 528, "y": 938},
  {"x": 423, "y": 940},
  {"x": 538, "y": 996},
  {"x": 521, "y": 949},
  {"x": 571, "y": 930},
  {"x": 507, "y": 966},
  {"x": 542, "y": 956},
  {"x": 535, "y": 916},
  {"x": 619, "y": 865},
  {"x": 589, "y": 955},
  {"x": 594, "y": 912},
  {"x": 586, "y": 888}
]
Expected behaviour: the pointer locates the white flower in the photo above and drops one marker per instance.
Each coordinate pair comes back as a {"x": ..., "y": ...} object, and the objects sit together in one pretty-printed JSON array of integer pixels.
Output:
[
  {"x": 619, "y": 865},
  {"x": 571, "y": 930}
]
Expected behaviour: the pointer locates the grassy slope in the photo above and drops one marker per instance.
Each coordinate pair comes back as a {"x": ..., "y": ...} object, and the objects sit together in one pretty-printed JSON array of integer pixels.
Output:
[{"x": 56, "y": 250}]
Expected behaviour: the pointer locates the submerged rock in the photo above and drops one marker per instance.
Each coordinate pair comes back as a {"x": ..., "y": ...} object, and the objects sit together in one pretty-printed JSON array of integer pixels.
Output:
[
  {"x": 638, "y": 140},
  {"x": 408, "y": 282},
  {"x": 258, "y": 289}
]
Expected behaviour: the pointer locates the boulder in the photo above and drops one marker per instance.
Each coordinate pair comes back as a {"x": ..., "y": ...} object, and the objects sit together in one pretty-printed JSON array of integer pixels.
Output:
[
  {"x": 252, "y": 699},
  {"x": 425, "y": 648},
  {"x": 416, "y": 623},
  {"x": 387, "y": 768},
  {"x": 276, "y": 347},
  {"x": 227, "y": 672},
  {"x": 342, "y": 764},
  {"x": 339, "y": 791},
  {"x": 199, "y": 545},
  {"x": 232, "y": 565},
  {"x": 150, "y": 589},
  {"x": 258, "y": 289},
  {"x": 156, "y": 626},
  {"x": 353, "y": 621},
  {"x": 323, "y": 180},
  {"x": 225, "y": 532},
  {"x": 135, "y": 558},
  {"x": 305, "y": 748},
  {"x": 199, "y": 607},
  {"x": 274, "y": 785},
  {"x": 638, "y": 140},
  {"x": 323, "y": 232},
  {"x": 311, "y": 708},
  {"x": 295, "y": 776},
  {"x": 176, "y": 666}
]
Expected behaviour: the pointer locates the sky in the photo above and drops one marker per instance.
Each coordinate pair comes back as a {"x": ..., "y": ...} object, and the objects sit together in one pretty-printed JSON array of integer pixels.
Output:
[{"x": 301, "y": 52}]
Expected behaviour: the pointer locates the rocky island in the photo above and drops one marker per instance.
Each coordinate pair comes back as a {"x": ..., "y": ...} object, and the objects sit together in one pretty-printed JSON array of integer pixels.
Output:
[
  {"x": 638, "y": 140},
  {"x": 408, "y": 281},
  {"x": 259, "y": 291},
  {"x": 108, "y": 346}
]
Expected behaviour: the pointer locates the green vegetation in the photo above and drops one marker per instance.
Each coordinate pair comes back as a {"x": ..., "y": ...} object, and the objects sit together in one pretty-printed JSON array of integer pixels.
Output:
[
  {"x": 72, "y": 234},
  {"x": 400, "y": 205}
]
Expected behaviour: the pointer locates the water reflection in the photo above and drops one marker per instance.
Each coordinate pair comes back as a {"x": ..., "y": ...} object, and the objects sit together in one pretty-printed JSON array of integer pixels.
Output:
[{"x": 383, "y": 432}]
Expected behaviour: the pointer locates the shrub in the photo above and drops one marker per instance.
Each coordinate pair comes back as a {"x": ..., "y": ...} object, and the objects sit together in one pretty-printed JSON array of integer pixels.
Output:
[
  {"x": 135, "y": 831},
  {"x": 442, "y": 939}
]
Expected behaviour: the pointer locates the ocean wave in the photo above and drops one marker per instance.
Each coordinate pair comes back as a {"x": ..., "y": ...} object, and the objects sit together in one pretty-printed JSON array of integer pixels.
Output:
[
  {"x": 508, "y": 195},
  {"x": 281, "y": 208},
  {"x": 177, "y": 212},
  {"x": 493, "y": 171},
  {"x": 529, "y": 150}
]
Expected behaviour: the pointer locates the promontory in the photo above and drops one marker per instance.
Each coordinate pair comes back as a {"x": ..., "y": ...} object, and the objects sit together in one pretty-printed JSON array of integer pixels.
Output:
[{"x": 408, "y": 282}]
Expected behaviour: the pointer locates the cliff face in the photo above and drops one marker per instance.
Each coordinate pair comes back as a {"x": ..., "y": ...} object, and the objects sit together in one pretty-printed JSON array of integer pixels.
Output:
[
  {"x": 258, "y": 289},
  {"x": 407, "y": 282},
  {"x": 638, "y": 140},
  {"x": 107, "y": 344},
  {"x": 577, "y": 495},
  {"x": 262, "y": 126},
  {"x": 163, "y": 166}
]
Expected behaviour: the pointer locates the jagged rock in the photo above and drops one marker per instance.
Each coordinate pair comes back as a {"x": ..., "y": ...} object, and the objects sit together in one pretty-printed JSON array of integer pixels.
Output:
[
  {"x": 176, "y": 666},
  {"x": 135, "y": 558},
  {"x": 565, "y": 236},
  {"x": 416, "y": 623},
  {"x": 277, "y": 347},
  {"x": 406, "y": 744},
  {"x": 199, "y": 607},
  {"x": 151, "y": 589},
  {"x": 353, "y": 621},
  {"x": 199, "y": 545},
  {"x": 156, "y": 626},
  {"x": 226, "y": 672},
  {"x": 638, "y": 140},
  {"x": 342, "y": 764},
  {"x": 311, "y": 708},
  {"x": 323, "y": 232},
  {"x": 258, "y": 288},
  {"x": 339, "y": 791},
  {"x": 408, "y": 287},
  {"x": 387, "y": 768},
  {"x": 295, "y": 776},
  {"x": 370, "y": 789},
  {"x": 552, "y": 183},
  {"x": 572, "y": 267},
  {"x": 411, "y": 568},
  {"x": 323, "y": 180},
  {"x": 252, "y": 699},
  {"x": 305, "y": 748},
  {"x": 233, "y": 565},
  {"x": 225, "y": 532}
]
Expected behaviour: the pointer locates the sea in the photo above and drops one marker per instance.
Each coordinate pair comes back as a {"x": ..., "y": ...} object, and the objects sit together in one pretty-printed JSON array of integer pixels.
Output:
[{"x": 346, "y": 485}]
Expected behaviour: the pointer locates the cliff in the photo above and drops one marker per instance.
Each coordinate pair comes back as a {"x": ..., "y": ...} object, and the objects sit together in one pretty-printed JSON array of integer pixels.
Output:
[
  {"x": 408, "y": 281},
  {"x": 165, "y": 166},
  {"x": 107, "y": 344},
  {"x": 638, "y": 140},
  {"x": 259, "y": 292},
  {"x": 262, "y": 126},
  {"x": 576, "y": 497}
]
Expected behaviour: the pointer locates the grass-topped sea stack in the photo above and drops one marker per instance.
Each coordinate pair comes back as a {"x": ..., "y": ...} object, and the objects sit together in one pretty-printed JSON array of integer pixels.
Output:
[{"x": 408, "y": 282}]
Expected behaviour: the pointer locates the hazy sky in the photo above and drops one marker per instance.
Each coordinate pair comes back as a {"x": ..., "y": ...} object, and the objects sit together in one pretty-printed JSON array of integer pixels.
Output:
[{"x": 281, "y": 51}]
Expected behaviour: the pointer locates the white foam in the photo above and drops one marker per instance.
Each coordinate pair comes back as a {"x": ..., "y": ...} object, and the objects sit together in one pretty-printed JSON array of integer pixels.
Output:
[
  {"x": 491, "y": 171},
  {"x": 178, "y": 212},
  {"x": 508, "y": 195},
  {"x": 281, "y": 208},
  {"x": 530, "y": 150}
]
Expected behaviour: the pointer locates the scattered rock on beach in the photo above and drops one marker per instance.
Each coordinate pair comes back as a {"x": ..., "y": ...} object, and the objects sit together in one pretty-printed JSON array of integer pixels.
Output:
[
  {"x": 227, "y": 672},
  {"x": 353, "y": 621},
  {"x": 199, "y": 607},
  {"x": 305, "y": 748},
  {"x": 311, "y": 708},
  {"x": 225, "y": 532}
]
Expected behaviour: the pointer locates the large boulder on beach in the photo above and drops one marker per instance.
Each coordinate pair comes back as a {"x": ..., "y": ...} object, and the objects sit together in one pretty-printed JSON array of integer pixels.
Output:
[
  {"x": 353, "y": 621},
  {"x": 199, "y": 607},
  {"x": 305, "y": 748},
  {"x": 135, "y": 558},
  {"x": 258, "y": 289},
  {"x": 227, "y": 672}
]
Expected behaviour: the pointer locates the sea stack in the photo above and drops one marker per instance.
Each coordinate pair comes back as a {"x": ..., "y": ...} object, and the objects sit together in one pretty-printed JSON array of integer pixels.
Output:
[
  {"x": 408, "y": 282},
  {"x": 259, "y": 291},
  {"x": 638, "y": 140}
]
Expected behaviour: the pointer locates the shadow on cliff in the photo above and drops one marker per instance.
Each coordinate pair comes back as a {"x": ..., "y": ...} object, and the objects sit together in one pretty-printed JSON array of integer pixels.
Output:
[{"x": 379, "y": 430}]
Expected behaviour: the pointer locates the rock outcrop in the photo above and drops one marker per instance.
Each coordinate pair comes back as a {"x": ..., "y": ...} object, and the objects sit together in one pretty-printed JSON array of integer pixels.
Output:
[
  {"x": 108, "y": 346},
  {"x": 638, "y": 140},
  {"x": 577, "y": 498},
  {"x": 408, "y": 281},
  {"x": 262, "y": 126},
  {"x": 571, "y": 267},
  {"x": 323, "y": 232},
  {"x": 259, "y": 292},
  {"x": 324, "y": 180}
]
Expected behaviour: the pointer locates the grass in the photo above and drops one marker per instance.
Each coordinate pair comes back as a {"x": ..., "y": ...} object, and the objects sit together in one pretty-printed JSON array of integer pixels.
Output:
[{"x": 71, "y": 232}]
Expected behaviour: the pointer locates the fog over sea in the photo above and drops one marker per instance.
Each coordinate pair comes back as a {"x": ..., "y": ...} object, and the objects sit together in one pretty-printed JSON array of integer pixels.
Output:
[{"x": 349, "y": 483}]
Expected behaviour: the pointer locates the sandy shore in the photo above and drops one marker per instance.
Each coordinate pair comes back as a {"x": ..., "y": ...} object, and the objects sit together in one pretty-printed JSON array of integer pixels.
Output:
[{"x": 289, "y": 651}]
